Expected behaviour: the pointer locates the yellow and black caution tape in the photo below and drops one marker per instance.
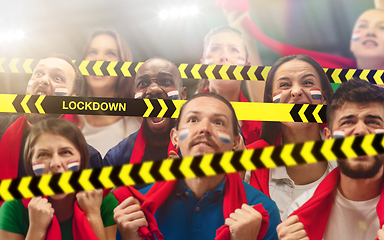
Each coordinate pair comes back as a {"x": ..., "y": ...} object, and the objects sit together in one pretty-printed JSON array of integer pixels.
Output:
[
  {"x": 13, "y": 103},
  {"x": 191, "y": 71},
  {"x": 190, "y": 167}
]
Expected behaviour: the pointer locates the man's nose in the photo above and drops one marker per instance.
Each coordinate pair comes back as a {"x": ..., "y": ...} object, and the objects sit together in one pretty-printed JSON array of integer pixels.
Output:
[
  {"x": 205, "y": 127},
  {"x": 154, "y": 91},
  {"x": 360, "y": 129}
]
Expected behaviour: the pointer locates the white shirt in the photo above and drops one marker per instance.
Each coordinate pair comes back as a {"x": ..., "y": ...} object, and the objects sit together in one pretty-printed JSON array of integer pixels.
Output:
[
  {"x": 284, "y": 192},
  {"x": 106, "y": 137},
  {"x": 352, "y": 220}
]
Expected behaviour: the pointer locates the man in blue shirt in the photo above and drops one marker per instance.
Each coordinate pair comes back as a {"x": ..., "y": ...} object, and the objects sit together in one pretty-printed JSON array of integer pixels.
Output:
[
  {"x": 195, "y": 208},
  {"x": 156, "y": 78}
]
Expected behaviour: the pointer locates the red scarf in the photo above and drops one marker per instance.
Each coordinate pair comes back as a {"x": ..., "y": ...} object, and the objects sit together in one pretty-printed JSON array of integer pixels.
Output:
[
  {"x": 260, "y": 177},
  {"x": 10, "y": 146},
  {"x": 160, "y": 191},
  {"x": 81, "y": 229},
  {"x": 139, "y": 148},
  {"x": 315, "y": 212},
  {"x": 325, "y": 60}
]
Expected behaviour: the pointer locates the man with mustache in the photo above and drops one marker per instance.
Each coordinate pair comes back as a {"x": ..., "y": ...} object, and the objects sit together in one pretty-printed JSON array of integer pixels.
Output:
[
  {"x": 56, "y": 76},
  {"x": 156, "y": 78},
  {"x": 195, "y": 208},
  {"x": 347, "y": 204}
]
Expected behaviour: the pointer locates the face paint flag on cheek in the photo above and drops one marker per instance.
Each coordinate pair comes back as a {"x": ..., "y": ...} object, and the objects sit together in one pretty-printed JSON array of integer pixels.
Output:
[
  {"x": 240, "y": 61},
  {"x": 183, "y": 133},
  {"x": 208, "y": 60},
  {"x": 338, "y": 133},
  {"x": 277, "y": 96},
  {"x": 315, "y": 93},
  {"x": 379, "y": 130},
  {"x": 30, "y": 83},
  {"x": 73, "y": 165},
  {"x": 38, "y": 168},
  {"x": 355, "y": 36},
  {"x": 173, "y": 94},
  {"x": 224, "y": 137},
  {"x": 61, "y": 91},
  {"x": 139, "y": 94}
]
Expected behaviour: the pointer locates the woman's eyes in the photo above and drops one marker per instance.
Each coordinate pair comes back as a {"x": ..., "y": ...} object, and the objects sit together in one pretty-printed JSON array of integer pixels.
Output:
[{"x": 192, "y": 119}]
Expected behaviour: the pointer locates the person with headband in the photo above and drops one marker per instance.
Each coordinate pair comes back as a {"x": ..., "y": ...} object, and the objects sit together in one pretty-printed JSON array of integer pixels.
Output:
[
  {"x": 56, "y": 146},
  {"x": 53, "y": 76},
  {"x": 199, "y": 208},
  {"x": 159, "y": 79},
  {"x": 225, "y": 46},
  {"x": 295, "y": 79},
  {"x": 347, "y": 204},
  {"x": 105, "y": 132}
]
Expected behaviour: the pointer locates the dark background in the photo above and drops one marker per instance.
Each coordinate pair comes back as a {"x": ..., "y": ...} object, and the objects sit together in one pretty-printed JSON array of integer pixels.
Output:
[{"x": 64, "y": 27}]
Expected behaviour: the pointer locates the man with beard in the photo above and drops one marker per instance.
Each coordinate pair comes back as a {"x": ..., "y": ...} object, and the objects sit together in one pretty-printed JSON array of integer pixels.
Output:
[
  {"x": 56, "y": 76},
  {"x": 156, "y": 78},
  {"x": 195, "y": 208},
  {"x": 347, "y": 204}
]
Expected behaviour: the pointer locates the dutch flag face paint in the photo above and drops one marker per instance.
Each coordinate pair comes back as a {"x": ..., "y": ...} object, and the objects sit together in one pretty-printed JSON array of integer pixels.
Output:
[
  {"x": 61, "y": 91},
  {"x": 183, "y": 134},
  {"x": 277, "y": 96},
  {"x": 355, "y": 36},
  {"x": 38, "y": 168},
  {"x": 338, "y": 133},
  {"x": 224, "y": 137},
  {"x": 30, "y": 83},
  {"x": 173, "y": 94},
  {"x": 315, "y": 93},
  {"x": 139, "y": 94},
  {"x": 379, "y": 130},
  {"x": 208, "y": 60},
  {"x": 73, "y": 165},
  {"x": 240, "y": 61}
]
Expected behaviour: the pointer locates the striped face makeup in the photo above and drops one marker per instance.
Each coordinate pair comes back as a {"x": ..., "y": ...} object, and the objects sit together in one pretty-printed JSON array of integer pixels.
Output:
[
  {"x": 208, "y": 60},
  {"x": 61, "y": 91},
  {"x": 139, "y": 94},
  {"x": 379, "y": 130},
  {"x": 224, "y": 136},
  {"x": 277, "y": 96},
  {"x": 338, "y": 133},
  {"x": 183, "y": 134},
  {"x": 38, "y": 168},
  {"x": 240, "y": 61},
  {"x": 30, "y": 83},
  {"x": 355, "y": 36},
  {"x": 173, "y": 94},
  {"x": 73, "y": 165},
  {"x": 315, "y": 93}
]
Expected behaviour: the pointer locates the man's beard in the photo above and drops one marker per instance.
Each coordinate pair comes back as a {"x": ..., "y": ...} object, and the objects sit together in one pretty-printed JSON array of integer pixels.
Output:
[
  {"x": 34, "y": 118},
  {"x": 361, "y": 172},
  {"x": 158, "y": 136}
]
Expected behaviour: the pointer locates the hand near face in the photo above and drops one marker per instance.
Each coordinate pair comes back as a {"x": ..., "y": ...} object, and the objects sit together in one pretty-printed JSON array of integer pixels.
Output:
[
  {"x": 129, "y": 218},
  {"x": 380, "y": 233},
  {"x": 40, "y": 214},
  {"x": 90, "y": 201},
  {"x": 291, "y": 229},
  {"x": 244, "y": 223}
]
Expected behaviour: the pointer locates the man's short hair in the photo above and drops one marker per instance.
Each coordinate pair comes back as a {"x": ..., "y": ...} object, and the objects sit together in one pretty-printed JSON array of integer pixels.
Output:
[
  {"x": 235, "y": 123},
  {"x": 355, "y": 91},
  {"x": 78, "y": 82},
  {"x": 221, "y": 29}
]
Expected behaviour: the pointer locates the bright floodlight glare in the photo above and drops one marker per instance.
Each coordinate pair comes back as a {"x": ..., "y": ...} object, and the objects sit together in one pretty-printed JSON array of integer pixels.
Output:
[
  {"x": 19, "y": 35},
  {"x": 10, "y": 36},
  {"x": 163, "y": 14},
  {"x": 193, "y": 10}
]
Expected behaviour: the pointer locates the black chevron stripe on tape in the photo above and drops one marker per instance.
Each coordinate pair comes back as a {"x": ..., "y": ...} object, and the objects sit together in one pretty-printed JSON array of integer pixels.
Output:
[
  {"x": 171, "y": 108},
  {"x": 155, "y": 171},
  {"x": 17, "y": 103},
  {"x": 201, "y": 71},
  {"x": 103, "y": 68},
  {"x": 323, "y": 113},
  {"x": 357, "y": 73},
  {"x": 54, "y": 183},
  {"x": 296, "y": 153},
  {"x": 157, "y": 108},
  {"x": 230, "y": 72},
  {"x": 235, "y": 161},
  {"x": 114, "y": 176},
  {"x": 94, "y": 178},
  {"x": 336, "y": 148},
  {"x": 89, "y": 67},
  {"x": 195, "y": 166},
  {"x": 13, "y": 188},
  {"x": 295, "y": 113},
  {"x": 74, "y": 181},
  {"x": 329, "y": 74},
  {"x": 370, "y": 76},
  {"x": 276, "y": 155},
  {"x": 215, "y": 164},
  {"x": 131, "y": 69},
  {"x": 135, "y": 174},
  {"x": 31, "y": 103},
  {"x": 309, "y": 113},
  {"x": 33, "y": 186},
  {"x": 216, "y": 70},
  {"x": 188, "y": 71},
  {"x": 342, "y": 75},
  {"x": 118, "y": 67}
]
